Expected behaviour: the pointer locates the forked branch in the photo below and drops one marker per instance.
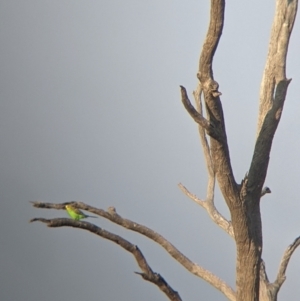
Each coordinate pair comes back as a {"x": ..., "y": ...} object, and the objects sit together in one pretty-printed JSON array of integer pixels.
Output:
[
  {"x": 198, "y": 117},
  {"x": 269, "y": 291},
  {"x": 208, "y": 203},
  {"x": 284, "y": 263},
  {"x": 147, "y": 273},
  {"x": 214, "y": 214},
  {"x": 192, "y": 267}
]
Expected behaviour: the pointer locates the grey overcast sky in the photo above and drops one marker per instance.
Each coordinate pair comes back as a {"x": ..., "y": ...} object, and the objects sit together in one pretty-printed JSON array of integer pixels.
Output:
[{"x": 90, "y": 111}]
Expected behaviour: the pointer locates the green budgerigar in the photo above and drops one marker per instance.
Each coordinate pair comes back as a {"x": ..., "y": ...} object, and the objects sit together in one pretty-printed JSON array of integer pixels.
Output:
[{"x": 76, "y": 213}]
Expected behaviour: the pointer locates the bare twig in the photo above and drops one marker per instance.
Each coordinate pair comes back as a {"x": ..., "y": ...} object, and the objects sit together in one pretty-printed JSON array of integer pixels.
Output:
[
  {"x": 192, "y": 267},
  {"x": 208, "y": 204},
  {"x": 206, "y": 148},
  {"x": 269, "y": 291},
  {"x": 285, "y": 261},
  {"x": 198, "y": 118},
  {"x": 147, "y": 274},
  {"x": 214, "y": 214}
]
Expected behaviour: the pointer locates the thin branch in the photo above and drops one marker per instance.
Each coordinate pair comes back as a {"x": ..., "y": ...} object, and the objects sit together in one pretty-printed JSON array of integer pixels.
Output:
[
  {"x": 214, "y": 214},
  {"x": 284, "y": 263},
  {"x": 269, "y": 291},
  {"x": 207, "y": 204},
  {"x": 192, "y": 267},
  {"x": 205, "y": 147},
  {"x": 198, "y": 118},
  {"x": 147, "y": 274}
]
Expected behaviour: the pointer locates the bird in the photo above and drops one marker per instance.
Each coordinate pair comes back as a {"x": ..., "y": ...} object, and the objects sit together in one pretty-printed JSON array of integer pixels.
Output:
[
  {"x": 76, "y": 213},
  {"x": 265, "y": 191}
]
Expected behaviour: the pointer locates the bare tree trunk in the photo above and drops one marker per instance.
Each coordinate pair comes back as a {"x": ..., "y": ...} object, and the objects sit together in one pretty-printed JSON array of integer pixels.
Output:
[
  {"x": 244, "y": 209},
  {"x": 243, "y": 200}
]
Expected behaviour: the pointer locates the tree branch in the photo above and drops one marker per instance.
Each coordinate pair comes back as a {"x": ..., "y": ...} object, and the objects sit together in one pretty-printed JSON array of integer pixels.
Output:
[
  {"x": 284, "y": 263},
  {"x": 192, "y": 267},
  {"x": 269, "y": 291},
  {"x": 260, "y": 160},
  {"x": 274, "y": 72},
  {"x": 198, "y": 117},
  {"x": 219, "y": 151},
  {"x": 214, "y": 214},
  {"x": 212, "y": 40},
  {"x": 273, "y": 91},
  {"x": 208, "y": 203},
  {"x": 147, "y": 274},
  {"x": 266, "y": 291},
  {"x": 205, "y": 148}
]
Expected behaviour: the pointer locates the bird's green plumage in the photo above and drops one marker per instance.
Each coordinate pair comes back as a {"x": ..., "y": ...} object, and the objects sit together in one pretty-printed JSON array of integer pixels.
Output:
[{"x": 76, "y": 213}]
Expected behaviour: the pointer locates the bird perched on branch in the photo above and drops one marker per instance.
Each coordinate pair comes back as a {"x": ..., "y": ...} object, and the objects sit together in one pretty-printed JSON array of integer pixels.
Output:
[{"x": 76, "y": 213}]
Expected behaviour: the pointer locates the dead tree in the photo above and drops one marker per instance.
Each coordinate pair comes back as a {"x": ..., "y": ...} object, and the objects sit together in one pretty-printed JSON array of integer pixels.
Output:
[{"x": 242, "y": 199}]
